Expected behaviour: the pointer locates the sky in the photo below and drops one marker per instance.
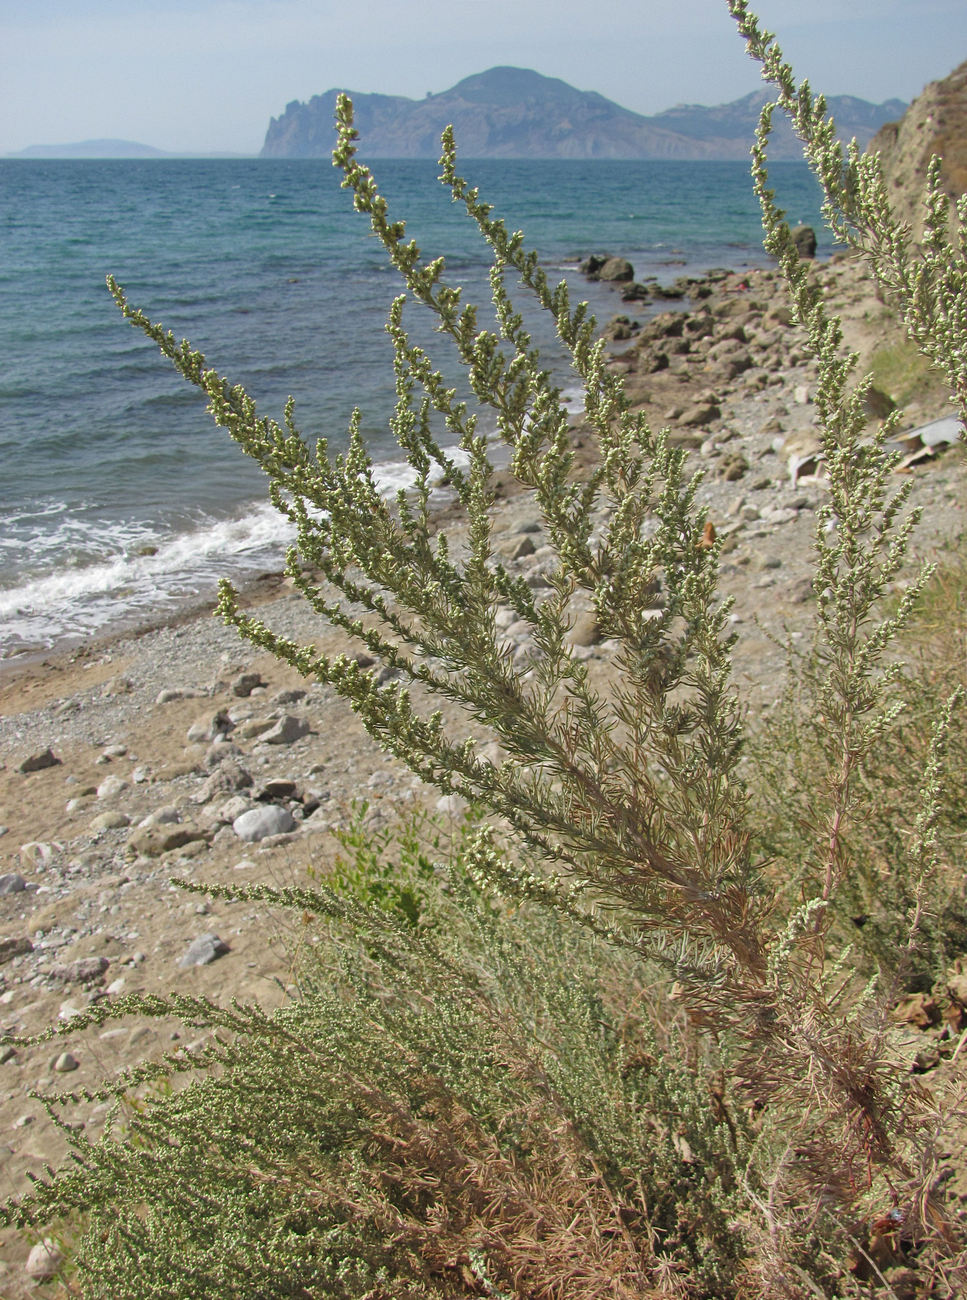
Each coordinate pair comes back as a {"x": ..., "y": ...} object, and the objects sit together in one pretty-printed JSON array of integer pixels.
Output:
[{"x": 203, "y": 76}]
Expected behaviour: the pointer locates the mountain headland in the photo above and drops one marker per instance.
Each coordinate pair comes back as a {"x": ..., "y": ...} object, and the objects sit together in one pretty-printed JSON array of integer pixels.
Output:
[{"x": 516, "y": 113}]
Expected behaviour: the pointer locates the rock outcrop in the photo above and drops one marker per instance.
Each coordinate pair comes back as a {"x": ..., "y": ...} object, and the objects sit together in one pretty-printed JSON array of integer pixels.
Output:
[{"x": 935, "y": 123}]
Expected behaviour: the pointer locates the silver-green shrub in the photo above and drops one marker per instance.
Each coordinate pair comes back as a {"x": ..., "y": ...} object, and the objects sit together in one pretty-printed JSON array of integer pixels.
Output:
[{"x": 605, "y": 1056}]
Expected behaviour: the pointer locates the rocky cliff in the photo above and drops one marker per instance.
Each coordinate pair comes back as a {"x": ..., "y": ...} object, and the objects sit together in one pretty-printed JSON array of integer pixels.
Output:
[
  {"x": 516, "y": 113},
  {"x": 935, "y": 123}
]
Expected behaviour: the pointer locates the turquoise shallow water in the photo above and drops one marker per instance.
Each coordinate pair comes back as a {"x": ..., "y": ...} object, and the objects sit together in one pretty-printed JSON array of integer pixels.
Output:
[{"x": 119, "y": 498}]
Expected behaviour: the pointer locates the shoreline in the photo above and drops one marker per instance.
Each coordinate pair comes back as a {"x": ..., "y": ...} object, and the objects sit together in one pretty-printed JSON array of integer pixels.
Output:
[
  {"x": 163, "y": 734},
  {"x": 133, "y": 573}
]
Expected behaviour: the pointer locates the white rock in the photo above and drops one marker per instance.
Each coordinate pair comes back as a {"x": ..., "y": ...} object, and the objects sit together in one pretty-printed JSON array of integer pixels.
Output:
[
  {"x": 177, "y": 693},
  {"x": 166, "y": 815},
  {"x": 110, "y": 787},
  {"x": 44, "y": 1260},
  {"x": 229, "y": 810},
  {"x": 37, "y": 854},
  {"x": 258, "y": 823}
]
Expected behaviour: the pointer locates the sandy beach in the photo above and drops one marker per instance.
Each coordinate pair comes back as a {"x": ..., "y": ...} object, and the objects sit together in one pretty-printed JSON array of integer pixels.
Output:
[{"x": 142, "y": 752}]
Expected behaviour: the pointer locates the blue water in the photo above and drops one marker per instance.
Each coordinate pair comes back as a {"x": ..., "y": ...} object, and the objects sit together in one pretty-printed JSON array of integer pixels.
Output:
[{"x": 119, "y": 499}]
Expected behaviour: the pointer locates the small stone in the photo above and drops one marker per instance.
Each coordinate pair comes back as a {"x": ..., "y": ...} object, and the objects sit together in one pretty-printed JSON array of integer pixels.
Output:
[
  {"x": 203, "y": 951},
  {"x": 37, "y": 854},
  {"x": 760, "y": 563},
  {"x": 733, "y": 467},
  {"x": 228, "y": 778},
  {"x": 7, "y": 1054},
  {"x": 226, "y": 811},
  {"x": 252, "y": 728},
  {"x": 110, "y": 787},
  {"x": 209, "y": 727},
  {"x": 778, "y": 515},
  {"x": 12, "y": 883},
  {"x": 700, "y": 413},
  {"x": 275, "y": 789},
  {"x": 259, "y": 823},
  {"x": 287, "y": 730},
  {"x": 117, "y": 686},
  {"x": 16, "y": 946},
  {"x": 44, "y": 1260},
  {"x": 85, "y": 970},
  {"x": 245, "y": 683},
  {"x": 291, "y": 695},
  {"x": 110, "y": 821},
  {"x": 585, "y": 630},
  {"x": 177, "y": 693},
  {"x": 166, "y": 815},
  {"x": 804, "y": 237},
  {"x": 152, "y": 841},
  {"x": 37, "y": 762},
  {"x": 800, "y": 591},
  {"x": 64, "y": 1063}
]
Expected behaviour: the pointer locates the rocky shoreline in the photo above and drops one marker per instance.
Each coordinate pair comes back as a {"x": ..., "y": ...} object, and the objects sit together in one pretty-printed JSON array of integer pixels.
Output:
[{"x": 184, "y": 753}]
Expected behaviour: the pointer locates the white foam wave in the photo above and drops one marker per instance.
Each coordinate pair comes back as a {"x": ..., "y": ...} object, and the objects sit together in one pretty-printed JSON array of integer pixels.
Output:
[
  {"x": 85, "y": 575},
  {"x": 127, "y": 587}
]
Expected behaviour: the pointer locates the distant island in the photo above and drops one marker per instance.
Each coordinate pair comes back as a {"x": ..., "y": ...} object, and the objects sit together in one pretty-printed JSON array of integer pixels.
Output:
[
  {"x": 108, "y": 149},
  {"x": 516, "y": 113}
]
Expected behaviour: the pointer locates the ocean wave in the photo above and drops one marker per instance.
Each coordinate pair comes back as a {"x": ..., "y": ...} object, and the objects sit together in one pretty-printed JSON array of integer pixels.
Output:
[
  {"x": 90, "y": 575},
  {"x": 137, "y": 576}
]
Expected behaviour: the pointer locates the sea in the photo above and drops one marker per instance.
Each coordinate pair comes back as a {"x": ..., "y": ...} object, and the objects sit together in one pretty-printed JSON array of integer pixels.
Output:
[{"x": 121, "y": 503}]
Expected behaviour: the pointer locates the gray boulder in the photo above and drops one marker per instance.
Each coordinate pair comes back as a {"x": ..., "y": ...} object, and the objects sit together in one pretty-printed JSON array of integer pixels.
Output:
[
  {"x": 804, "y": 237},
  {"x": 203, "y": 951},
  {"x": 617, "y": 270},
  {"x": 287, "y": 730}
]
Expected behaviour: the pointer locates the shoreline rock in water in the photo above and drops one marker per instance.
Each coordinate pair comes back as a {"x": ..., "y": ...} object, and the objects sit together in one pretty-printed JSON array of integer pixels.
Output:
[{"x": 184, "y": 753}]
